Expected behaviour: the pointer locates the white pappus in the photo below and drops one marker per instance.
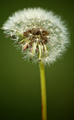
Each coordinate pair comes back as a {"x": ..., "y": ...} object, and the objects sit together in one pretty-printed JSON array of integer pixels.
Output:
[{"x": 41, "y": 34}]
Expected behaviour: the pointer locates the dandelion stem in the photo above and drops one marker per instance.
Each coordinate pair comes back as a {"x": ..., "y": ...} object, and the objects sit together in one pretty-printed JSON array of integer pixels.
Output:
[{"x": 43, "y": 91}]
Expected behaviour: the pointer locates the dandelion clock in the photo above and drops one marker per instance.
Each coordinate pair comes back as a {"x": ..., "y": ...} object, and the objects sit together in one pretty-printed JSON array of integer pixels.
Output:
[{"x": 42, "y": 37}]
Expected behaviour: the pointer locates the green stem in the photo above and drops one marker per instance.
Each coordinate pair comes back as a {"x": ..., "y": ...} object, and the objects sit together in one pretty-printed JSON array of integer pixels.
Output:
[{"x": 43, "y": 91}]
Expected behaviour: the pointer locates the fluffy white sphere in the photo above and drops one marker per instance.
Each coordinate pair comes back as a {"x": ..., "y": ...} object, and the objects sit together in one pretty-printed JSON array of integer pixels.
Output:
[{"x": 41, "y": 34}]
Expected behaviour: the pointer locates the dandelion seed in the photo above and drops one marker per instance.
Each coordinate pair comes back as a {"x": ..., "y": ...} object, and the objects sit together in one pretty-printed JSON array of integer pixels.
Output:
[{"x": 41, "y": 27}]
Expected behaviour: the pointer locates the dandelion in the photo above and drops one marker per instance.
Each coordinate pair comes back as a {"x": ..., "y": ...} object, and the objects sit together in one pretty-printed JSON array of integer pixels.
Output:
[{"x": 42, "y": 36}]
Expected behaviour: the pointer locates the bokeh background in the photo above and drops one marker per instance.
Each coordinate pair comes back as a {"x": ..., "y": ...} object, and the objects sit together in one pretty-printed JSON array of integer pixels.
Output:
[{"x": 20, "y": 97}]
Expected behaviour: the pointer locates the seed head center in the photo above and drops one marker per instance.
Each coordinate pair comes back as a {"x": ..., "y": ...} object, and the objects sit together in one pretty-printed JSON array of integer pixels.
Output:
[
  {"x": 35, "y": 39},
  {"x": 37, "y": 35}
]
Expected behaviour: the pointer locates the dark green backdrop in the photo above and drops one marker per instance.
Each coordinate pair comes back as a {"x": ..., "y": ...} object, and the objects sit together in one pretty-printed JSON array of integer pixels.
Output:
[{"x": 19, "y": 80}]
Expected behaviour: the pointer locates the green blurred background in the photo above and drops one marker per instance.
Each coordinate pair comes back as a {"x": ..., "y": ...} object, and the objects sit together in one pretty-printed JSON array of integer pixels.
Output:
[{"x": 20, "y": 97}]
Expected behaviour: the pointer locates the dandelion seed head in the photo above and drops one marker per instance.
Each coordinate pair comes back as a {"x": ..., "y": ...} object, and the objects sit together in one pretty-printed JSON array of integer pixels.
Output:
[{"x": 42, "y": 35}]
